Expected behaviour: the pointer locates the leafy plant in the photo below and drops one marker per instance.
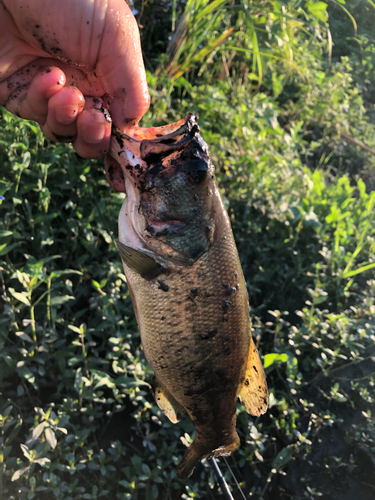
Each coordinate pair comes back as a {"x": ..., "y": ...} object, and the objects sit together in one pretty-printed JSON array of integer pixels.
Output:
[{"x": 276, "y": 85}]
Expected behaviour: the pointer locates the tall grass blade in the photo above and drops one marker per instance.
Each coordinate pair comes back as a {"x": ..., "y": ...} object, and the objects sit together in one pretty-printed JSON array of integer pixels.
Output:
[
  {"x": 210, "y": 7},
  {"x": 349, "y": 15},
  {"x": 358, "y": 270}
]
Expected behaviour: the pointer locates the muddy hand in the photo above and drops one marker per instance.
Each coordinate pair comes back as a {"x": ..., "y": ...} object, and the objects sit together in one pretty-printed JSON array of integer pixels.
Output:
[{"x": 62, "y": 63}]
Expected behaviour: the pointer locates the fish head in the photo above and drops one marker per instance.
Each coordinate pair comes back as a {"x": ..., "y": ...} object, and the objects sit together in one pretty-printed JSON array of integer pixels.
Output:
[{"x": 170, "y": 184}]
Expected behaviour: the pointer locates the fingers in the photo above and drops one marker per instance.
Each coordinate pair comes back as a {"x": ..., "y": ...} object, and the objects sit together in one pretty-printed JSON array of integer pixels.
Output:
[
  {"x": 32, "y": 103},
  {"x": 120, "y": 67},
  {"x": 114, "y": 173},
  {"x": 94, "y": 127},
  {"x": 62, "y": 111},
  {"x": 85, "y": 123}
]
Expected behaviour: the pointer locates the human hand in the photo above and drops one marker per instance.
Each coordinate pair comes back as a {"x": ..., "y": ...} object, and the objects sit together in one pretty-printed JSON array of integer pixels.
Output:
[{"x": 63, "y": 62}]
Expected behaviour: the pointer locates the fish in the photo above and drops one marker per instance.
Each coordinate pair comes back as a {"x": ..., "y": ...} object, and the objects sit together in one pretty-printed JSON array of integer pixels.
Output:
[{"x": 187, "y": 286}]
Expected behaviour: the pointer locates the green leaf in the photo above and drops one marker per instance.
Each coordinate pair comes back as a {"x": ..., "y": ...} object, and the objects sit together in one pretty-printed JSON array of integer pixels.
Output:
[
  {"x": 61, "y": 299},
  {"x": 273, "y": 359},
  {"x": 35, "y": 434},
  {"x": 19, "y": 473},
  {"x": 78, "y": 381},
  {"x": 74, "y": 360},
  {"x": 7, "y": 411},
  {"x": 146, "y": 469},
  {"x": 24, "y": 337},
  {"x": 4, "y": 249},
  {"x": 318, "y": 10},
  {"x": 107, "y": 382},
  {"x": 93, "y": 466},
  {"x": 283, "y": 457},
  {"x": 25, "y": 451},
  {"x": 155, "y": 492},
  {"x": 14, "y": 432},
  {"x": 131, "y": 382},
  {"x": 42, "y": 461},
  {"x": 5, "y": 233},
  {"x": 57, "y": 274},
  {"x": 96, "y": 285},
  {"x": 21, "y": 296},
  {"x": 210, "y": 7},
  {"x": 358, "y": 270},
  {"x": 292, "y": 366},
  {"x": 75, "y": 329},
  {"x": 50, "y": 437},
  {"x": 26, "y": 373}
]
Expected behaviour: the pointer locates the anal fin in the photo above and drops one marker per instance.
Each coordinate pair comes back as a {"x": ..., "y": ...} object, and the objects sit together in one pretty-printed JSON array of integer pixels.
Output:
[
  {"x": 167, "y": 403},
  {"x": 254, "y": 391}
]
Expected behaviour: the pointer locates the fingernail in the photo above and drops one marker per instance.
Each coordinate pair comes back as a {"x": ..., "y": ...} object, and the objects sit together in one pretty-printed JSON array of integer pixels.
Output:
[{"x": 67, "y": 114}]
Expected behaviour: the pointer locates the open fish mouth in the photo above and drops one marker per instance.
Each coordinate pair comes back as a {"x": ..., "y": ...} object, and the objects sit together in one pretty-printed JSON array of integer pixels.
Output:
[
  {"x": 160, "y": 134},
  {"x": 153, "y": 143}
]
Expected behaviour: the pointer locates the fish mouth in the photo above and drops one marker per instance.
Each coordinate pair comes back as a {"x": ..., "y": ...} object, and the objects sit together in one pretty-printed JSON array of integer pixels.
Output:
[
  {"x": 163, "y": 228},
  {"x": 152, "y": 144},
  {"x": 160, "y": 134}
]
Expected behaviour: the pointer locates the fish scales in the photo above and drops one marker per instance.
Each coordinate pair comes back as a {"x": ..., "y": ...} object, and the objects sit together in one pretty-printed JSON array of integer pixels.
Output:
[
  {"x": 217, "y": 341},
  {"x": 191, "y": 301}
]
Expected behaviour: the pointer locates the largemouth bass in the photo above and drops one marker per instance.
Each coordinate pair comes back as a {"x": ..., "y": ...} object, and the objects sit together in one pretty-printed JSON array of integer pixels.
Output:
[{"x": 187, "y": 286}]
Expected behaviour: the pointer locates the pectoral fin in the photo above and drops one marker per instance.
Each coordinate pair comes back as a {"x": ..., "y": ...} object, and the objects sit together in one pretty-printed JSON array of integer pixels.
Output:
[
  {"x": 139, "y": 262},
  {"x": 167, "y": 403},
  {"x": 254, "y": 392}
]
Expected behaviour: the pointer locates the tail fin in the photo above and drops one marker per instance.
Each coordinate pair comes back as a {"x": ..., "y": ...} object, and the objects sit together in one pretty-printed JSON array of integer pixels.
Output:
[
  {"x": 192, "y": 456},
  {"x": 197, "y": 451}
]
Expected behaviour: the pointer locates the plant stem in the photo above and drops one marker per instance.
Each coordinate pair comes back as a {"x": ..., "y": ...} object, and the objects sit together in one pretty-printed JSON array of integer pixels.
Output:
[
  {"x": 49, "y": 317},
  {"x": 33, "y": 329}
]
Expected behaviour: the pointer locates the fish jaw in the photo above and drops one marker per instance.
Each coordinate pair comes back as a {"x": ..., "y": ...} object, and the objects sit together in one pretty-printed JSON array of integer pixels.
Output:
[{"x": 170, "y": 185}]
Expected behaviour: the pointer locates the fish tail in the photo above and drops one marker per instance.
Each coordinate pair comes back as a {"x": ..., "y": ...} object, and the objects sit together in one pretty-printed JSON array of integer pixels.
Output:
[
  {"x": 197, "y": 452},
  {"x": 192, "y": 456}
]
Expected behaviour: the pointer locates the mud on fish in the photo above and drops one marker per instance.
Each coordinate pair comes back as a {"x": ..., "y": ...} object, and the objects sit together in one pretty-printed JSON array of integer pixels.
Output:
[{"x": 187, "y": 286}]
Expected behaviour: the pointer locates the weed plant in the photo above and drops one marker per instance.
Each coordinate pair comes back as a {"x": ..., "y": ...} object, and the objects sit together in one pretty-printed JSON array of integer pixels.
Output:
[{"x": 285, "y": 97}]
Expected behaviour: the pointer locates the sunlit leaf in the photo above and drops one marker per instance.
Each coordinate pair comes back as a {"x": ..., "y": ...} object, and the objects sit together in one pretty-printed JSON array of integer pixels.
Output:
[
  {"x": 21, "y": 296},
  {"x": 131, "y": 382},
  {"x": 50, "y": 437},
  {"x": 271, "y": 360},
  {"x": 19, "y": 473},
  {"x": 60, "y": 299},
  {"x": 37, "y": 431}
]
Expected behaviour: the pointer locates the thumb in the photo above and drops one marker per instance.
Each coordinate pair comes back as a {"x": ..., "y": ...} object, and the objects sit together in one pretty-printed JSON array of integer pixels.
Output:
[{"x": 120, "y": 67}]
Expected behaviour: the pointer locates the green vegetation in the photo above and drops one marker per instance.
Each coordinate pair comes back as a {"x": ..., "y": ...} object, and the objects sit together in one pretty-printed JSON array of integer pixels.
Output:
[{"x": 285, "y": 93}]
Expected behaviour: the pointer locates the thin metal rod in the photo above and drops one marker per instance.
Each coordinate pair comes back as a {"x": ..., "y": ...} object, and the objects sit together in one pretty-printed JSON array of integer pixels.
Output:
[
  {"x": 220, "y": 479},
  {"x": 235, "y": 479}
]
